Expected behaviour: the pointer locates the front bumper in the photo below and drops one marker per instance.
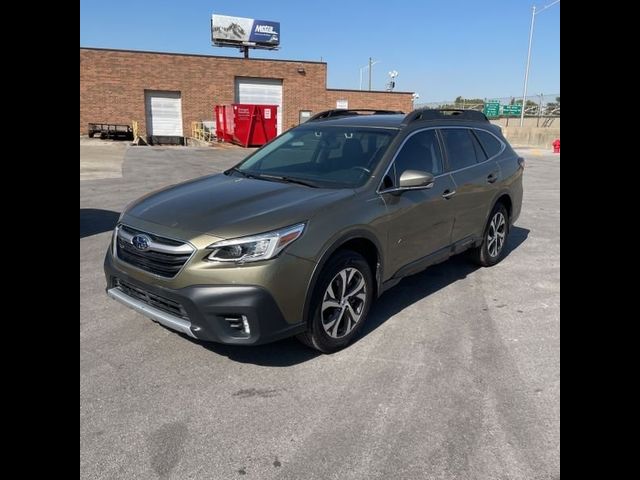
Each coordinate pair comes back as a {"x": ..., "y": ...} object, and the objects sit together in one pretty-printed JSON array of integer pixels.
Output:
[{"x": 205, "y": 312}]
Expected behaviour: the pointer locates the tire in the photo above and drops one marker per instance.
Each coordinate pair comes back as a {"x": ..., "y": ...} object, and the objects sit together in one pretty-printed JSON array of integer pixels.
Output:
[
  {"x": 493, "y": 251},
  {"x": 345, "y": 310}
]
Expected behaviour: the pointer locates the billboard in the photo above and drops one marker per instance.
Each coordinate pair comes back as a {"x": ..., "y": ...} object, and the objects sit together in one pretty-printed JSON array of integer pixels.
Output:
[{"x": 239, "y": 31}]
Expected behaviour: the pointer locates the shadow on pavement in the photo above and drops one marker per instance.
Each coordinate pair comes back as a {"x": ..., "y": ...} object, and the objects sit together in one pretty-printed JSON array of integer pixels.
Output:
[
  {"x": 94, "y": 220},
  {"x": 416, "y": 287},
  {"x": 282, "y": 353},
  {"x": 289, "y": 352}
]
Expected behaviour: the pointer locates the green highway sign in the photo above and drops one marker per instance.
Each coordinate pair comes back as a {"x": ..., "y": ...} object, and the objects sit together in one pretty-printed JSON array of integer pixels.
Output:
[
  {"x": 514, "y": 110},
  {"x": 492, "y": 109}
]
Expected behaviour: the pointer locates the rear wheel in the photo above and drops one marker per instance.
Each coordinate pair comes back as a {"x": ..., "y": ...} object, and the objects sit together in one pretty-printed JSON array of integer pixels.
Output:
[
  {"x": 492, "y": 249},
  {"x": 340, "y": 302}
]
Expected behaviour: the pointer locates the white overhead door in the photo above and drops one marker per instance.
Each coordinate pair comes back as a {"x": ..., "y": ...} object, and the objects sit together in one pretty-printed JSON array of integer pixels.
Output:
[
  {"x": 164, "y": 113},
  {"x": 261, "y": 91}
]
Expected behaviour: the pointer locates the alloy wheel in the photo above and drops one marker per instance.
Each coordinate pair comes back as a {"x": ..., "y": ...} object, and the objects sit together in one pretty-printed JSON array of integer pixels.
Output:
[
  {"x": 343, "y": 302},
  {"x": 496, "y": 234}
]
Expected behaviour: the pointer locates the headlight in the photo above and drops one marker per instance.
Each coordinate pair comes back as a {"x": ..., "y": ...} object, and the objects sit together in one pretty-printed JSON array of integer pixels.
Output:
[{"x": 254, "y": 248}]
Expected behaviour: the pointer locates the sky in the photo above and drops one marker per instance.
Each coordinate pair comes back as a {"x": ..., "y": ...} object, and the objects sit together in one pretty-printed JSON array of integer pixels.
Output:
[{"x": 441, "y": 49}]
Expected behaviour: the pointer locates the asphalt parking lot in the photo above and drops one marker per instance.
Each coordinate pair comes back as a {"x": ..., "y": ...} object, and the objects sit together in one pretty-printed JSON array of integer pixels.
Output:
[{"x": 456, "y": 375}]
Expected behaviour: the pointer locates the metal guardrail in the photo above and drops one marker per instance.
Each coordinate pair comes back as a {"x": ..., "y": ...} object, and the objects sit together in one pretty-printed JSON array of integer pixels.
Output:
[
  {"x": 530, "y": 111},
  {"x": 540, "y": 105},
  {"x": 200, "y": 131}
]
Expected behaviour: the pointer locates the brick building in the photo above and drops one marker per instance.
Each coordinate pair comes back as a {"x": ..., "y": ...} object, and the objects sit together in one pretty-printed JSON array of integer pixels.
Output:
[{"x": 169, "y": 91}]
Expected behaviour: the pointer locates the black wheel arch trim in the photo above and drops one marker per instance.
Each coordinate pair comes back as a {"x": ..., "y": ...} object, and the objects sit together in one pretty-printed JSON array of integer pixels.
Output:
[
  {"x": 494, "y": 202},
  {"x": 334, "y": 247}
]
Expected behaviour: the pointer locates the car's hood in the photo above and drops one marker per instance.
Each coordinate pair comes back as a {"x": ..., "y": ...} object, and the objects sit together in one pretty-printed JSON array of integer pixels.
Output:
[{"x": 228, "y": 206}]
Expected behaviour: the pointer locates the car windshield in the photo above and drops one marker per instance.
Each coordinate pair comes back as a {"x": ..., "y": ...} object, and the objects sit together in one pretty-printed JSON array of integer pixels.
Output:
[{"x": 320, "y": 156}]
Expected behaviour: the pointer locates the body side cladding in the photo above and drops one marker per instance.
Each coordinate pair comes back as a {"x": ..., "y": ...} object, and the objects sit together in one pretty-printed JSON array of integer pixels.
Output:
[{"x": 434, "y": 258}]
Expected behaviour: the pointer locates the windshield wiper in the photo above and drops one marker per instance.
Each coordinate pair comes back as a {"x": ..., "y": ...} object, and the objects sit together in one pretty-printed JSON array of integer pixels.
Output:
[
  {"x": 280, "y": 178},
  {"x": 244, "y": 174},
  {"x": 265, "y": 176}
]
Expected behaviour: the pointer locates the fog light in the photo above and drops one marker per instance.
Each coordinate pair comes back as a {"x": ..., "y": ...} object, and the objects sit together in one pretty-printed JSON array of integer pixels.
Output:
[
  {"x": 239, "y": 323},
  {"x": 245, "y": 324}
]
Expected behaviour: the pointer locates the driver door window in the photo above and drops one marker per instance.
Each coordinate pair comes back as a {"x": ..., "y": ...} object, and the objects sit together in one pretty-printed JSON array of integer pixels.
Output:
[{"x": 420, "y": 152}]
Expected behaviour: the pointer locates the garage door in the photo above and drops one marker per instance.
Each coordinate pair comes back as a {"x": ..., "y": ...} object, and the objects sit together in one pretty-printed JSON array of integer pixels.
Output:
[
  {"x": 261, "y": 91},
  {"x": 164, "y": 114}
]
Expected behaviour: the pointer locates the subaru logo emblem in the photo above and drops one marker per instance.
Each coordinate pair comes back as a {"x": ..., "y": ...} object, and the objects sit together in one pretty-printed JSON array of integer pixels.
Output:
[{"x": 141, "y": 242}]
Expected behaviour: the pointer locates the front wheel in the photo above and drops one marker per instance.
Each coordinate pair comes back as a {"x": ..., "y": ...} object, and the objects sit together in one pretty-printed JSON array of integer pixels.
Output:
[
  {"x": 340, "y": 302},
  {"x": 492, "y": 249}
]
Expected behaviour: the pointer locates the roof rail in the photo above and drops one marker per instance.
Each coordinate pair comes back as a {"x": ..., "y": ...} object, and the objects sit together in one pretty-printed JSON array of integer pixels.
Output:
[
  {"x": 341, "y": 112},
  {"x": 444, "y": 113}
]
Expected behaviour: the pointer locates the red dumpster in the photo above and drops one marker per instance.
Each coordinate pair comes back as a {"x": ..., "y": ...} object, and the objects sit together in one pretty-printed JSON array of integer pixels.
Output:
[
  {"x": 224, "y": 123},
  {"x": 246, "y": 124}
]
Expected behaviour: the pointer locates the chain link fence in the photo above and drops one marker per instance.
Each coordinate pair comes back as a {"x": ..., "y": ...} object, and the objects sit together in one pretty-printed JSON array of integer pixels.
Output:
[{"x": 537, "y": 105}]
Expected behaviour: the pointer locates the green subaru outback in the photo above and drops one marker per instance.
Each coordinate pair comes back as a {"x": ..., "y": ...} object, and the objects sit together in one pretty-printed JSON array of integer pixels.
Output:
[{"x": 303, "y": 235}]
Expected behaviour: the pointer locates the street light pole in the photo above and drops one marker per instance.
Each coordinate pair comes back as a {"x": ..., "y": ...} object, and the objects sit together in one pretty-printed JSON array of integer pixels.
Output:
[
  {"x": 526, "y": 74},
  {"x": 369, "y": 73}
]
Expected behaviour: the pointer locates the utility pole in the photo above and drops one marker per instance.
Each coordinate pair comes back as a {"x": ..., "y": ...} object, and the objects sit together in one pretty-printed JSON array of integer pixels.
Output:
[
  {"x": 371, "y": 64},
  {"x": 539, "y": 110}
]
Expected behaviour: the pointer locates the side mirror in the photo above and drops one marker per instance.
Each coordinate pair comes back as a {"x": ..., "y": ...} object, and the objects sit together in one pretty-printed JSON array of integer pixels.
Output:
[{"x": 415, "y": 179}]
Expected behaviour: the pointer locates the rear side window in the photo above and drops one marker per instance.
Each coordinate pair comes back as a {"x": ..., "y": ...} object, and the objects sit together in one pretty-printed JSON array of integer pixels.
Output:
[
  {"x": 490, "y": 143},
  {"x": 480, "y": 155},
  {"x": 461, "y": 150}
]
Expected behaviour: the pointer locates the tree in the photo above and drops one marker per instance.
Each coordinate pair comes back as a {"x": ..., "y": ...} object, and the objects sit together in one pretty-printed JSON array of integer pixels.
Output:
[
  {"x": 553, "y": 108},
  {"x": 530, "y": 103},
  {"x": 469, "y": 101},
  {"x": 460, "y": 102}
]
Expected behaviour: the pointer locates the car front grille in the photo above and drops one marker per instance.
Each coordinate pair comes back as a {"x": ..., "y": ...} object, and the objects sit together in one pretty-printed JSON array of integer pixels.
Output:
[
  {"x": 163, "y": 257},
  {"x": 151, "y": 299}
]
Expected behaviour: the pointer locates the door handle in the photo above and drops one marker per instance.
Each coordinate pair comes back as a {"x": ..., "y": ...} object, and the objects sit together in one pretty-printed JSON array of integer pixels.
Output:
[
  {"x": 492, "y": 177},
  {"x": 448, "y": 194}
]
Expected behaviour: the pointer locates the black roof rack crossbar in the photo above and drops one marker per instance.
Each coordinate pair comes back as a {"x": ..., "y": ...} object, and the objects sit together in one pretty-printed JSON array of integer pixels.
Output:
[
  {"x": 444, "y": 113},
  {"x": 341, "y": 112}
]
